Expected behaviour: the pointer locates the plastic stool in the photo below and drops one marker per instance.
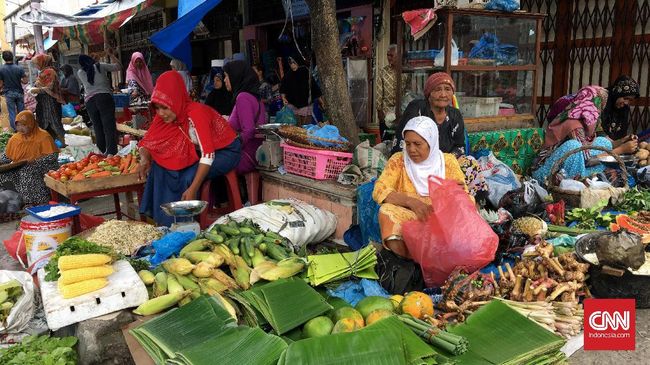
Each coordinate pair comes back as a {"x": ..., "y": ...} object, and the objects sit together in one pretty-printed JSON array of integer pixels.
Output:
[
  {"x": 210, "y": 214},
  {"x": 253, "y": 186}
]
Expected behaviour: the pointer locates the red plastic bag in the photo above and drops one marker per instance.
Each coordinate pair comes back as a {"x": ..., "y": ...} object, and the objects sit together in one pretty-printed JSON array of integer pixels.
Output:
[
  {"x": 453, "y": 236},
  {"x": 87, "y": 221},
  {"x": 15, "y": 246}
]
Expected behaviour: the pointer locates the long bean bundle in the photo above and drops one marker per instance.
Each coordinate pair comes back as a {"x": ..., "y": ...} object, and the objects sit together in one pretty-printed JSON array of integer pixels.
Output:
[{"x": 454, "y": 344}]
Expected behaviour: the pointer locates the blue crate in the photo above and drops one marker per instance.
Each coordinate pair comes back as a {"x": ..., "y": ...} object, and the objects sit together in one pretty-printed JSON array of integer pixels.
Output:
[
  {"x": 428, "y": 54},
  {"x": 122, "y": 100},
  {"x": 33, "y": 211}
]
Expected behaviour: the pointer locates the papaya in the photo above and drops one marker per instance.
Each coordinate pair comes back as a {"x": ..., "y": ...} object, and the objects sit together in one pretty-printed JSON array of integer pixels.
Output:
[
  {"x": 377, "y": 315},
  {"x": 626, "y": 222},
  {"x": 417, "y": 304}
]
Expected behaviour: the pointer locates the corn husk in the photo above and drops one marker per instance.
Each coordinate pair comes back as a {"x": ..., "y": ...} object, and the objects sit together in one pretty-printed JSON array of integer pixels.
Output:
[
  {"x": 197, "y": 321},
  {"x": 387, "y": 341},
  {"x": 236, "y": 346},
  {"x": 286, "y": 303},
  {"x": 498, "y": 334},
  {"x": 332, "y": 267}
]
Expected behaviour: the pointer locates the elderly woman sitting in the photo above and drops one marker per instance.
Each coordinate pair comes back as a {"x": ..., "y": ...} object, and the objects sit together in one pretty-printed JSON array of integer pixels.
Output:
[
  {"x": 36, "y": 148},
  {"x": 402, "y": 190}
]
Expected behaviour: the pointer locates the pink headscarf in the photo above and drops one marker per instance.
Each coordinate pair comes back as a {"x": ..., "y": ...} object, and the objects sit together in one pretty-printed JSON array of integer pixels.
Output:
[{"x": 141, "y": 76}]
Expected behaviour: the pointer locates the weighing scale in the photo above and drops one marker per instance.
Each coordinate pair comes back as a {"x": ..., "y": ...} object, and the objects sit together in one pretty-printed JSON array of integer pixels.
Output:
[
  {"x": 183, "y": 213},
  {"x": 269, "y": 154}
]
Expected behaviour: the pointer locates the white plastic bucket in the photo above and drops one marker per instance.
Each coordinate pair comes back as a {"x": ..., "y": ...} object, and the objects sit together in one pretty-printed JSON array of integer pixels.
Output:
[{"x": 42, "y": 238}]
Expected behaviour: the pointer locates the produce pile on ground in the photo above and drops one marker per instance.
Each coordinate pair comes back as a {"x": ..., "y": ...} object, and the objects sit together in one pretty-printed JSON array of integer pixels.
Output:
[
  {"x": 4, "y": 138},
  {"x": 41, "y": 350},
  {"x": 125, "y": 237},
  {"x": 95, "y": 166},
  {"x": 643, "y": 154}
]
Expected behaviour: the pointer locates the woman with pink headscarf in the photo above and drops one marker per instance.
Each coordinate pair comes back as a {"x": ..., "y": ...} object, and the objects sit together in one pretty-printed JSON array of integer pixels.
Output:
[{"x": 138, "y": 77}]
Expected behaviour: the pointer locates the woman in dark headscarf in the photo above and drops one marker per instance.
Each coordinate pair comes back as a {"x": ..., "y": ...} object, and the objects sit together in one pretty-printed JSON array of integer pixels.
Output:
[
  {"x": 219, "y": 98},
  {"x": 616, "y": 115},
  {"x": 98, "y": 95},
  {"x": 70, "y": 89},
  {"x": 249, "y": 111},
  {"x": 299, "y": 90}
]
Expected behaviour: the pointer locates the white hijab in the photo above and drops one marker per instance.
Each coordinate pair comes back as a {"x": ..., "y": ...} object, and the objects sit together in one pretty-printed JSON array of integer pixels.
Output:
[{"x": 434, "y": 165}]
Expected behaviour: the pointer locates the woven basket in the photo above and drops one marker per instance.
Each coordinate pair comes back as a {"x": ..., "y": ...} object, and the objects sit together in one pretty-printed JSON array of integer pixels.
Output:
[
  {"x": 570, "y": 197},
  {"x": 298, "y": 137}
]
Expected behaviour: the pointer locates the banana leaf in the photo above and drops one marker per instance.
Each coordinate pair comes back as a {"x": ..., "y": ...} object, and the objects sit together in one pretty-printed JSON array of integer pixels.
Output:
[
  {"x": 386, "y": 342},
  {"x": 332, "y": 267},
  {"x": 286, "y": 303},
  {"x": 182, "y": 327},
  {"x": 236, "y": 346},
  {"x": 498, "y": 334}
]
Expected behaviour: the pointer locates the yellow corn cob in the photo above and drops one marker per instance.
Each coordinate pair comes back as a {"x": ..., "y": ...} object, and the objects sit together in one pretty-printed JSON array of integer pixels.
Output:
[
  {"x": 85, "y": 273},
  {"x": 78, "y": 261},
  {"x": 82, "y": 287},
  {"x": 179, "y": 266},
  {"x": 156, "y": 305},
  {"x": 146, "y": 276}
]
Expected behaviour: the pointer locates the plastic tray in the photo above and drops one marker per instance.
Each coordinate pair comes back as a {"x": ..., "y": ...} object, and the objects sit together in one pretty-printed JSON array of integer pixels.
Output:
[{"x": 33, "y": 211}]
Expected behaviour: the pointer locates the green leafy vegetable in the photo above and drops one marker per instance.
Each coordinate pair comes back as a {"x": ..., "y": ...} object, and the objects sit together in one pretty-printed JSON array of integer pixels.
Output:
[
  {"x": 635, "y": 200},
  {"x": 41, "y": 350},
  {"x": 139, "y": 264},
  {"x": 73, "y": 246}
]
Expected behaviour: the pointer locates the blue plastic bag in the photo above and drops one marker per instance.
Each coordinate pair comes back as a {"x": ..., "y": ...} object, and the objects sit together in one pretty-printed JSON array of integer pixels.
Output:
[
  {"x": 328, "y": 132},
  {"x": 286, "y": 116},
  {"x": 503, "y": 5},
  {"x": 170, "y": 244},
  {"x": 68, "y": 111},
  {"x": 368, "y": 213},
  {"x": 352, "y": 292}
]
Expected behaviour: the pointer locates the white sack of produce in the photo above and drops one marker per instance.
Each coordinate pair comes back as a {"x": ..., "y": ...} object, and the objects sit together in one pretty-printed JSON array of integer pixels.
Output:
[
  {"x": 22, "y": 307},
  {"x": 297, "y": 221}
]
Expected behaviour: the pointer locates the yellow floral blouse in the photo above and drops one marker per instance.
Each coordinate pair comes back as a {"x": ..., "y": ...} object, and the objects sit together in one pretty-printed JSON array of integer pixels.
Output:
[{"x": 395, "y": 179}]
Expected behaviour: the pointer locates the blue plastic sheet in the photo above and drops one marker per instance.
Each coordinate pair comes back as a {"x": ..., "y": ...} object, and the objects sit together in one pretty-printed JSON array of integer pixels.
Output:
[
  {"x": 368, "y": 213},
  {"x": 503, "y": 5},
  {"x": 286, "y": 116},
  {"x": 68, "y": 111},
  {"x": 489, "y": 47},
  {"x": 328, "y": 132},
  {"x": 352, "y": 292},
  {"x": 169, "y": 245}
]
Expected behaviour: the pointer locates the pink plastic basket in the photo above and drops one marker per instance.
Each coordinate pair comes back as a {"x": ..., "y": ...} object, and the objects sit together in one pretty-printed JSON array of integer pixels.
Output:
[{"x": 316, "y": 164}]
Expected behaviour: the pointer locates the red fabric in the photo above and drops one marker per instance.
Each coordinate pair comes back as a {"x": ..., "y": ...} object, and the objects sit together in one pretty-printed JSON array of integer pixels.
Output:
[
  {"x": 169, "y": 143},
  {"x": 437, "y": 79},
  {"x": 419, "y": 19}
]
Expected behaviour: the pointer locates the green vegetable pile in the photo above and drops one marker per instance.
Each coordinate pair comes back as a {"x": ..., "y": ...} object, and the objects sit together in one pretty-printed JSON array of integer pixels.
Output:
[
  {"x": 4, "y": 138},
  {"x": 72, "y": 246},
  {"x": 635, "y": 200},
  {"x": 41, "y": 350},
  {"x": 590, "y": 218}
]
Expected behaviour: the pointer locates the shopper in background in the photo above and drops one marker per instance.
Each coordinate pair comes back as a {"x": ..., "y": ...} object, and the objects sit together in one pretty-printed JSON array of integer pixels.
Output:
[
  {"x": 265, "y": 90},
  {"x": 70, "y": 89},
  {"x": 138, "y": 78},
  {"x": 12, "y": 78},
  {"x": 179, "y": 66},
  {"x": 99, "y": 99},
  {"x": 48, "y": 97},
  {"x": 219, "y": 99},
  {"x": 299, "y": 91}
]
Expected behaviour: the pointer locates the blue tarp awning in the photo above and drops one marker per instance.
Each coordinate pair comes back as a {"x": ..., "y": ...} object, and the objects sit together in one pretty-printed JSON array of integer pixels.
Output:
[{"x": 174, "y": 40}]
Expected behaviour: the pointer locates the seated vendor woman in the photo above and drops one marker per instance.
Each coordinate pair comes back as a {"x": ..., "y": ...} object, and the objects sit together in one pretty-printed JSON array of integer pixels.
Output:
[
  {"x": 36, "y": 148},
  {"x": 402, "y": 190},
  {"x": 572, "y": 125},
  {"x": 187, "y": 143}
]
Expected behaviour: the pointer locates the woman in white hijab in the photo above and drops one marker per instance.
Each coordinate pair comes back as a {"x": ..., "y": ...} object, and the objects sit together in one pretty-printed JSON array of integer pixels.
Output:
[
  {"x": 179, "y": 66},
  {"x": 402, "y": 190}
]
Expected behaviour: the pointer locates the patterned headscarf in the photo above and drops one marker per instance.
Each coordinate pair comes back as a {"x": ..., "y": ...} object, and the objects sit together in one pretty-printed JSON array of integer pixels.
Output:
[
  {"x": 437, "y": 79},
  {"x": 42, "y": 61}
]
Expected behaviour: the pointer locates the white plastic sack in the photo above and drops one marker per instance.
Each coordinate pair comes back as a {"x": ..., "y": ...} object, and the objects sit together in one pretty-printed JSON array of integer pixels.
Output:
[
  {"x": 440, "y": 58},
  {"x": 23, "y": 310},
  {"x": 78, "y": 141},
  {"x": 297, "y": 221},
  {"x": 499, "y": 177}
]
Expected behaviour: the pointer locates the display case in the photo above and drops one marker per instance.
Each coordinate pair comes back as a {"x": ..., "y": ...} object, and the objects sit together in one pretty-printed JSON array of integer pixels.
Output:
[{"x": 492, "y": 56}]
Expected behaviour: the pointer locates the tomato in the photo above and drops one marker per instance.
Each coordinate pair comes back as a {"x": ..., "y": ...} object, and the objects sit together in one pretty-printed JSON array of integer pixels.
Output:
[
  {"x": 73, "y": 173},
  {"x": 64, "y": 178},
  {"x": 68, "y": 171},
  {"x": 114, "y": 161},
  {"x": 94, "y": 159},
  {"x": 79, "y": 166}
]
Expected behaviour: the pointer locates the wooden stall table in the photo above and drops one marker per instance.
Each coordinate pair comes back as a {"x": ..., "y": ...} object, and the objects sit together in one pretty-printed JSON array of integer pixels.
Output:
[{"x": 92, "y": 188}]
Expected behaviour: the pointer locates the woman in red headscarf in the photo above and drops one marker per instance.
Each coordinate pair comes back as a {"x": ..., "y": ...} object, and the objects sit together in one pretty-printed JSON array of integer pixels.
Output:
[{"x": 187, "y": 143}]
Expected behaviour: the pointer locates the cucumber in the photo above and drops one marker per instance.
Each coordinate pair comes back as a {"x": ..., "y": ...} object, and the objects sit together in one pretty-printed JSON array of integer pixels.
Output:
[
  {"x": 250, "y": 247},
  {"x": 233, "y": 244},
  {"x": 274, "y": 235},
  {"x": 230, "y": 231},
  {"x": 245, "y": 254},
  {"x": 246, "y": 230},
  {"x": 233, "y": 224},
  {"x": 276, "y": 252},
  {"x": 258, "y": 239},
  {"x": 262, "y": 247},
  {"x": 271, "y": 240},
  {"x": 214, "y": 237}
]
